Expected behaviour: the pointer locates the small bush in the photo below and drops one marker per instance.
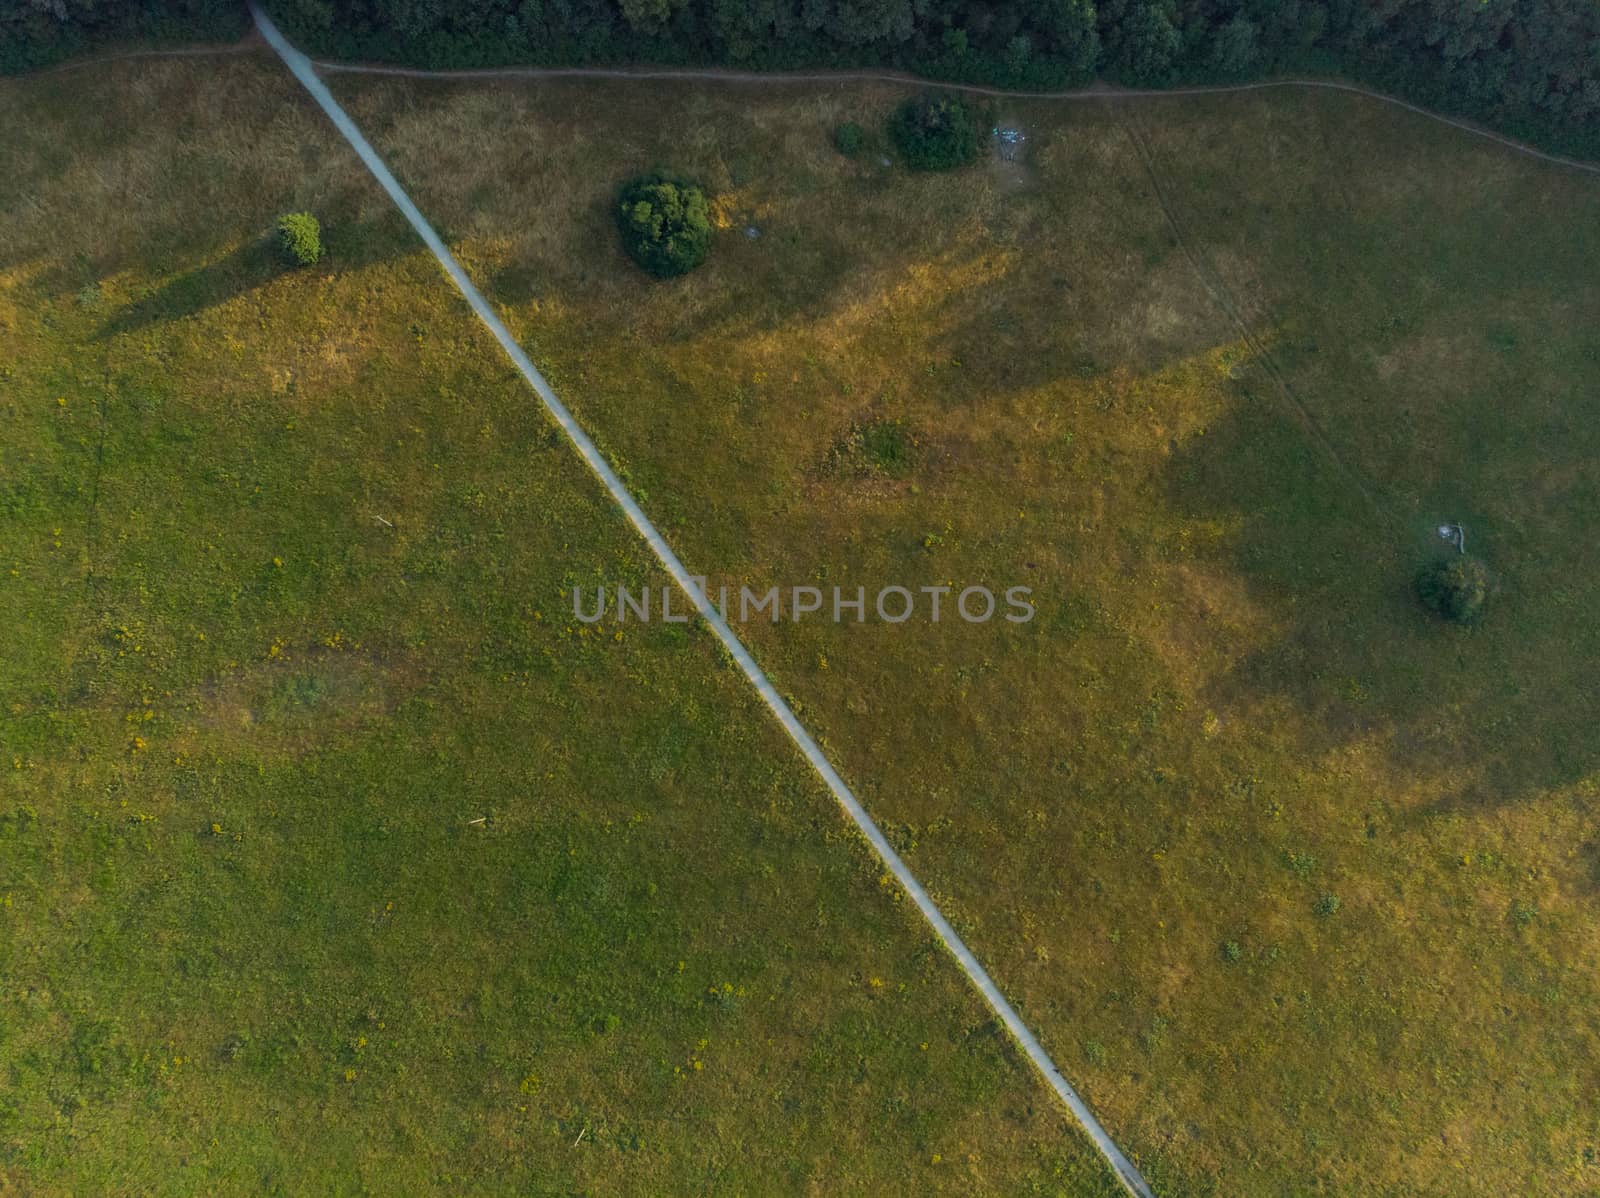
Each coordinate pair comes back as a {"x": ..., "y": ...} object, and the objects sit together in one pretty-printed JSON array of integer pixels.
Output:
[
  {"x": 300, "y": 238},
  {"x": 1231, "y": 952},
  {"x": 1300, "y": 864},
  {"x": 934, "y": 132},
  {"x": 849, "y": 139},
  {"x": 1455, "y": 588},
  {"x": 882, "y": 448},
  {"x": 886, "y": 448},
  {"x": 233, "y": 1048},
  {"x": 665, "y": 224},
  {"x": 1327, "y": 905}
]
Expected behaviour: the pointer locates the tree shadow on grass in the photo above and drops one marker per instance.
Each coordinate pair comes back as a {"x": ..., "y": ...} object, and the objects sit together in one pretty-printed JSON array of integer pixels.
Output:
[
  {"x": 748, "y": 285},
  {"x": 1507, "y": 704},
  {"x": 252, "y": 265},
  {"x": 346, "y": 246}
]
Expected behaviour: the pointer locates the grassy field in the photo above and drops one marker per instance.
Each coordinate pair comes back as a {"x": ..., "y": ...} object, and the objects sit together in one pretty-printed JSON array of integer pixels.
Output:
[
  {"x": 334, "y": 857},
  {"x": 1298, "y": 883}
]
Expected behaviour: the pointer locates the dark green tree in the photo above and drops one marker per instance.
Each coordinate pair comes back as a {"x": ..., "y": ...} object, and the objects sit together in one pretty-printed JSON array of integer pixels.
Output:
[
  {"x": 935, "y": 131},
  {"x": 1455, "y": 588},
  {"x": 665, "y": 224}
]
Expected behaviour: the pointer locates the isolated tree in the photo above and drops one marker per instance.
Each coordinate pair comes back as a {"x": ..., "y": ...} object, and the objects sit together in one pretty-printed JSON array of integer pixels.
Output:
[
  {"x": 1455, "y": 588},
  {"x": 935, "y": 132},
  {"x": 300, "y": 238},
  {"x": 665, "y": 224}
]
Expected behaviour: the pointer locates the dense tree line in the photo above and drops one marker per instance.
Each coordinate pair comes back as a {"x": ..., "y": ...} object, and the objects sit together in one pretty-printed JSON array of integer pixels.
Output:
[
  {"x": 1531, "y": 67},
  {"x": 37, "y": 33}
]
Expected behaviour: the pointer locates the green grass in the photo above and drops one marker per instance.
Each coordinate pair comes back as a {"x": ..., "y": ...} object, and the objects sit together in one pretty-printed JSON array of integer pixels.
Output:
[
  {"x": 1206, "y": 374},
  {"x": 334, "y": 857}
]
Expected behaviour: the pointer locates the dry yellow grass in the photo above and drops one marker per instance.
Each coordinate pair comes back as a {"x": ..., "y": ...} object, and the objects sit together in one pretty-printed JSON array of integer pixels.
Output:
[
  {"x": 331, "y": 859},
  {"x": 1229, "y": 706}
]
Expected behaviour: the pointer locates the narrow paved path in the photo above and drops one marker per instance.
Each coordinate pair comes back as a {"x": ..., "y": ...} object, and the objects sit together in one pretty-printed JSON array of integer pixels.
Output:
[{"x": 305, "y": 72}]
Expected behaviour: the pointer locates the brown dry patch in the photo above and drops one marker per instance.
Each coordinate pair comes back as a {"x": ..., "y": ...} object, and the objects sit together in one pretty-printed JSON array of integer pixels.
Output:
[
  {"x": 1423, "y": 359},
  {"x": 913, "y": 294},
  {"x": 738, "y": 208},
  {"x": 296, "y": 701},
  {"x": 1163, "y": 312},
  {"x": 97, "y": 195},
  {"x": 12, "y": 281},
  {"x": 1209, "y": 618}
]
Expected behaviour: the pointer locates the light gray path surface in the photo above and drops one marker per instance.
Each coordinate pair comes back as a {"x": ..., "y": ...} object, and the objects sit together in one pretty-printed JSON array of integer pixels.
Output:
[{"x": 304, "y": 71}]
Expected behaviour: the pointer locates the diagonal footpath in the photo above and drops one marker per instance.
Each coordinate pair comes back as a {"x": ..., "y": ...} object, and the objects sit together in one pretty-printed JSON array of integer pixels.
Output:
[{"x": 303, "y": 70}]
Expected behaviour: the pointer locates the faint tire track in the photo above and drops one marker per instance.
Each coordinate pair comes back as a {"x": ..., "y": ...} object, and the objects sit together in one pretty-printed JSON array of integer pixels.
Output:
[
  {"x": 249, "y": 44},
  {"x": 1261, "y": 353}
]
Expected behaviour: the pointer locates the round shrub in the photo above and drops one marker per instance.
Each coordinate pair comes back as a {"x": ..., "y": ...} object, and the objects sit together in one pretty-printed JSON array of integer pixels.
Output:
[
  {"x": 849, "y": 138},
  {"x": 1455, "y": 588},
  {"x": 665, "y": 224},
  {"x": 935, "y": 132},
  {"x": 300, "y": 238}
]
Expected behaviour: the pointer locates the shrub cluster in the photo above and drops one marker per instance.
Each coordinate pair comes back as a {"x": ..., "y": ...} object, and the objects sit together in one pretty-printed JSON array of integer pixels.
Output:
[
  {"x": 665, "y": 224},
  {"x": 935, "y": 132},
  {"x": 849, "y": 138},
  {"x": 883, "y": 448},
  {"x": 300, "y": 238},
  {"x": 1455, "y": 588}
]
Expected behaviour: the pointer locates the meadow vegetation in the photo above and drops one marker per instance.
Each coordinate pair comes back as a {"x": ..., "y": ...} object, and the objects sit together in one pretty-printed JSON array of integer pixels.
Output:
[
  {"x": 334, "y": 856},
  {"x": 1207, "y": 375}
]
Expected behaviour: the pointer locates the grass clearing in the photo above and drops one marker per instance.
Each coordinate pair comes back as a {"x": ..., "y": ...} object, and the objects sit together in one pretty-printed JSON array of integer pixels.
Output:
[
  {"x": 333, "y": 856},
  {"x": 1298, "y": 885}
]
